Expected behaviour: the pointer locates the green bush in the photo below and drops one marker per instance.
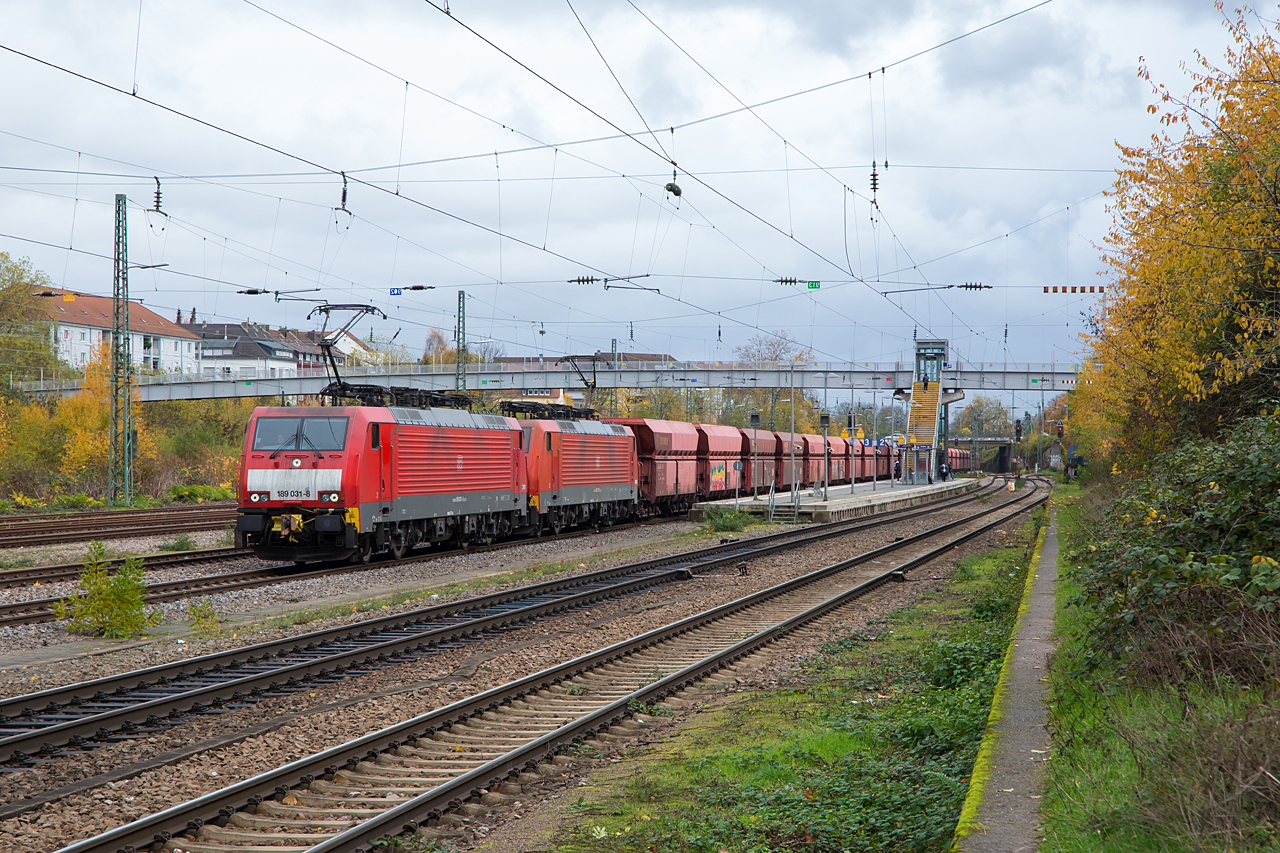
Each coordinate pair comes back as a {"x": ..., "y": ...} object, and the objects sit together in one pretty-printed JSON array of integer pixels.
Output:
[
  {"x": 963, "y": 655},
  {"x": 990, "y": 607},
  {"x": 76, "y": 501},
  {"x": 1180, "y": 575},
  {"x": 108, "y": 605},
  {"x": 200, "y": 493},
  {"x": 723, "y": 520}
]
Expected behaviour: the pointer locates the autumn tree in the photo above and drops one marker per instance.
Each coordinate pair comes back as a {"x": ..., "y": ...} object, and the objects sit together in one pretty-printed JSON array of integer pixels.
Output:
[
  {"x": 778, "y": 349},
  {"x": 83, "y": 421},
  {"x": 436, "y": 348},
  {"x": 984, "y": 415},
  {"x": 25, "y": 328},
  {"x": 1189, "y": 340},
  {"x": 383, "y": 350}
]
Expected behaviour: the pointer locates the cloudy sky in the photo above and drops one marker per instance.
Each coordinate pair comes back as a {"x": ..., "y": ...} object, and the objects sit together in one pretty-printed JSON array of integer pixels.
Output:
[{"x": 505, "y": 148}]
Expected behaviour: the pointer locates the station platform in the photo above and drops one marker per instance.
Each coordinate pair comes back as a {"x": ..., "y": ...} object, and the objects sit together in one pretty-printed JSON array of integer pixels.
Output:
[{"x": 847, "y": 501}]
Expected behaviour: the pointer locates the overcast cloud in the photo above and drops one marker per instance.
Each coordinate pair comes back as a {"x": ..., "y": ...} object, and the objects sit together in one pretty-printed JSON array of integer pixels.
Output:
[{"x": 1047, "y": 94}]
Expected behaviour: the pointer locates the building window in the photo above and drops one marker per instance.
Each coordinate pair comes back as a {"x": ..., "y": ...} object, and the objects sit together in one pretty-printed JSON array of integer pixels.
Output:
[{"x": 82, "y": 336}]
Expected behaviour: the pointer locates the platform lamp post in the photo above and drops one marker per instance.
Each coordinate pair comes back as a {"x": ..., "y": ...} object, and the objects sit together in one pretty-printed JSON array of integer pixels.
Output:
[
  {"x": 826, "y": 448},
  {"x": 875, "y": 450},
  {"x": 795, "y": 492},
  {"x": 826, "y": 455},
  {"x": 755, "y": 455}
]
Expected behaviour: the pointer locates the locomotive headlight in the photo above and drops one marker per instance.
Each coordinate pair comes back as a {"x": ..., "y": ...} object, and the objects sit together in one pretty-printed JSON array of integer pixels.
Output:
[
  {"x": 259, "y": 497},
  {"x": 329, "y": 497}
]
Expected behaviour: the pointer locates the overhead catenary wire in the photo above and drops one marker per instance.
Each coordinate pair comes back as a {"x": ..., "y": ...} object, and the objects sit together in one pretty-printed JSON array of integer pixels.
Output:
[
  {"x": 277, "y": 150},
  {"x": 614, "y": 75},
  {"x": 500, "y": 238}
]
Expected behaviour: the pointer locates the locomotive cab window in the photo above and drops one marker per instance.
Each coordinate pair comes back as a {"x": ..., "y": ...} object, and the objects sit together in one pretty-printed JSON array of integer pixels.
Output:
[
  {"x": 375, "y": 436},
  {"x": 548, "y": 441},
  {"x": 318, "y": 434}
]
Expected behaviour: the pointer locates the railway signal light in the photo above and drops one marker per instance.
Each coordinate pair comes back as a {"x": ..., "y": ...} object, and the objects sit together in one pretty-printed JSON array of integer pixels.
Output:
[
  {"x": 1059, "y": 430},
  {"x": 1017, "y": 429}
]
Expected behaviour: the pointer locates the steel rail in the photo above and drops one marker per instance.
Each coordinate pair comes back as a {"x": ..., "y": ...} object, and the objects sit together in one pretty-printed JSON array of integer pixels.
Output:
[
  {"x": 219, "y": 806},
  {"x": 28, "y": 575},
  {"x": 7, "y": 521},
  {"x": 56, "y": 531},
  {"x": 187, "y": 686},
  {"x": 37, "y": 610}
]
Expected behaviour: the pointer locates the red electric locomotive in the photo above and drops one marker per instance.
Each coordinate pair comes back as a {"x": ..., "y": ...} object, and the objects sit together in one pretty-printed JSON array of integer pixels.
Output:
[
  {"x": 579, "y": 472},
  {"x": 349, "y": 481}
]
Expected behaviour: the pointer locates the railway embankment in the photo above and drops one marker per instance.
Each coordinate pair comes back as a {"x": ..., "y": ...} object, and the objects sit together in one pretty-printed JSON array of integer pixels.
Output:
[
  {"x": 1165, "y": 723},
  {"x": 861, "y": 735},
  {"x": 57, "y": 813}
]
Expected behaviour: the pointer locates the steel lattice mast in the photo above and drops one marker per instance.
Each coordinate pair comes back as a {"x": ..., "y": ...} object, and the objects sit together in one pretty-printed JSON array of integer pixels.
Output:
[
  {"x": 460, "y": 343},
  {"x": 120, "y": 470}
]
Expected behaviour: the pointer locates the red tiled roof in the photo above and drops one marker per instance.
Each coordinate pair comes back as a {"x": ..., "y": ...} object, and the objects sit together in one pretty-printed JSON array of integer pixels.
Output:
[{"x": 97, "y": 311}]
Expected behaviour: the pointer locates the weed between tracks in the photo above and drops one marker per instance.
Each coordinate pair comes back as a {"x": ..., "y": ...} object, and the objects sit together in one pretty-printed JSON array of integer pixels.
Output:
[
  {"x": 108, "y": 605},
  {"x": 181, "y": 542},
  {"x": 872, "y": 752},
  {"x": 723, "y": 520}
]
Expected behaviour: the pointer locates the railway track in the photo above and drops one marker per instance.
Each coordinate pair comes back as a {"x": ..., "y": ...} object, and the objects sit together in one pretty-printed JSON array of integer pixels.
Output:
[
  {"x": 282, "y": 572},
  {"x": 56, "y": 528},
  {"x": 41, "y": 609},
  {"x": 418, "y": 775},
  {"x": 38, "y": 610},
  {"x": 71, "y": 571},
  {"x": 42, "y": 726}
]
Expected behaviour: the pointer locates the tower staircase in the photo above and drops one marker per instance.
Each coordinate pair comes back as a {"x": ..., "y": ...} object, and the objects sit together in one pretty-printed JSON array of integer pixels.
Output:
[{"x": 922, "y": 423}]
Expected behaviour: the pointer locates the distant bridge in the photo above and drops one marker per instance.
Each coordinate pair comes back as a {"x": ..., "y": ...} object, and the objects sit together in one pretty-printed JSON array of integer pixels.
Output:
[{"x": 536, "y": 377}]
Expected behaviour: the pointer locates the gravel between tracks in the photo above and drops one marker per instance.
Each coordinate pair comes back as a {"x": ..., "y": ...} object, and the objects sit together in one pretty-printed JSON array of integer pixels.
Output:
[
  {"x": 74, "y": 552},
  {"x": 277, "y": 599},
  {"x": 354, "y": 709}
]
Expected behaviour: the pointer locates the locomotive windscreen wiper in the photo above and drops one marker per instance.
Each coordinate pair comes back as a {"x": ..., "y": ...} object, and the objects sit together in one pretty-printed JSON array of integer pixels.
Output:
[{"x": 303, "y": 435}]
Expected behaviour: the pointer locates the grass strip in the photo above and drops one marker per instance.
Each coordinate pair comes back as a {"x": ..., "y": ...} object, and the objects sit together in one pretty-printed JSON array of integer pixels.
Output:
[{"x": 869, "y": 747}]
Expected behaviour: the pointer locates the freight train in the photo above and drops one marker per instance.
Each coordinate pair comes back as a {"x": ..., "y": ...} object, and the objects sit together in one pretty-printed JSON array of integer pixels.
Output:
[{"x": 337, "y": 482}]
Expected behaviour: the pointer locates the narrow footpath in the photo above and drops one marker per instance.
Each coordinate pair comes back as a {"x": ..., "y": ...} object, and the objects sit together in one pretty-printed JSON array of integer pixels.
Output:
[{"x": 1002, "y": 812}]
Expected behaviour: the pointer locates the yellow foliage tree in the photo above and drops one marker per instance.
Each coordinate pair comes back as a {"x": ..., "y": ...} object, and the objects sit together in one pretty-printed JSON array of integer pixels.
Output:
[
  {"x": 1189, "y": 340},
  {"x": 85, "y": 420}
]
